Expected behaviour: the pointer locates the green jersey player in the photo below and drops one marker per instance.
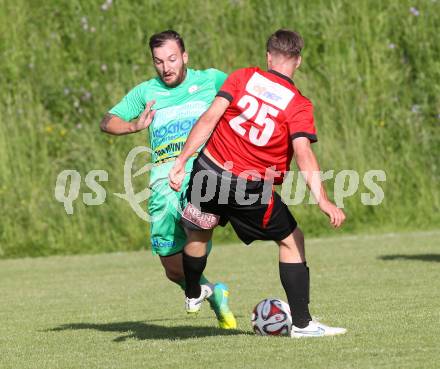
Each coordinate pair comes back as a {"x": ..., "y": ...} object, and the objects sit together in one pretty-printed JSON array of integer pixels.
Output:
[{"x": 168, "y": 106}]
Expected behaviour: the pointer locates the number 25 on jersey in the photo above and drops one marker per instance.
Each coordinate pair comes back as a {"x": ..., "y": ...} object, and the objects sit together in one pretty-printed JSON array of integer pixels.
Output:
[{"x": 251, "y": 106}]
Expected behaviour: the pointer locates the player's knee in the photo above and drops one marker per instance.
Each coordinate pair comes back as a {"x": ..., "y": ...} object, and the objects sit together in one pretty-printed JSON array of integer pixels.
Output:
[{"x": 295, "y": 241}]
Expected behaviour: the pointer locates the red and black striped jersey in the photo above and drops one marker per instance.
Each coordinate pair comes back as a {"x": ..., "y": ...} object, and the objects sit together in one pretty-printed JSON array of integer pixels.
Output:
[{"x": 265, "y": 114}]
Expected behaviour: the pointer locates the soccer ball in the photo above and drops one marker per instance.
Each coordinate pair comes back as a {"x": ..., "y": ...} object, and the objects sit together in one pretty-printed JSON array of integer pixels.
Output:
[{"x": 271, "y": 317}]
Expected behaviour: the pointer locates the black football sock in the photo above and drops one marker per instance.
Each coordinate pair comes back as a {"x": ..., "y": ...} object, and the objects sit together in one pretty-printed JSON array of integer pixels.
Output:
[
  {"x": 193, "y": 268},
  {"x": 308, "y": 282},
  {"x": 295, "y": 280}
]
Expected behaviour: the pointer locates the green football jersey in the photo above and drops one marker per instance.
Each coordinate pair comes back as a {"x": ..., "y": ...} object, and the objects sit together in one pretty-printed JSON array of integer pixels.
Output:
[{"x": 177, "y": 108}]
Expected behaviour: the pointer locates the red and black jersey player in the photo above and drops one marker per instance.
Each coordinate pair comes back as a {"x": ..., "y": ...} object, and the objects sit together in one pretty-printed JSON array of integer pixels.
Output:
[{"x": 256, "y": 124}]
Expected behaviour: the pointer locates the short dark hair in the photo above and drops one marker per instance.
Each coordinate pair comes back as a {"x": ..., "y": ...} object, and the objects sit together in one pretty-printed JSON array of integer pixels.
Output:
[
  {"x": 285, "y": 42},
  {"x": 160, "y": 38}
]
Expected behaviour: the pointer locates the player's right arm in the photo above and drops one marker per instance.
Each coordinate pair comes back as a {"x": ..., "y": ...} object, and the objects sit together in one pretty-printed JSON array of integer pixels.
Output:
[
  {"x": 203, "y": 128},
  {"x": 115, "y": 125},
  {"x": 118, "y": 121},
  {"x": 197, "y": 137}
]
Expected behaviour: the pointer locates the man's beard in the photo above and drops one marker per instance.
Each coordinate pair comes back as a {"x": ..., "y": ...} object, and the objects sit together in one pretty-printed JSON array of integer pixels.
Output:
[{"x": 179, "y": 79}]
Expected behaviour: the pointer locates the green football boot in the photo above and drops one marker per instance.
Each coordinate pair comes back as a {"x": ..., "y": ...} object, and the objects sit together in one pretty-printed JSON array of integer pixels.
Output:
[{"x": 219, "y": 303}]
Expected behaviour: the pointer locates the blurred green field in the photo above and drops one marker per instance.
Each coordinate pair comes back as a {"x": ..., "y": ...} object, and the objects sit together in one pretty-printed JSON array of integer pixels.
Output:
[
  {"x": 118, "y": 311},
  {"x": 371, "y": 68}
]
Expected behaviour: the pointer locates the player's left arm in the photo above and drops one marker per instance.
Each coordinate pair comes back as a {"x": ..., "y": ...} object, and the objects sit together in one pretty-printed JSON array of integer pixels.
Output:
[
  {"x": 303, "y": 133},
  {"x": 308, "y": 165},
  {"x": 198, "y": 136}
]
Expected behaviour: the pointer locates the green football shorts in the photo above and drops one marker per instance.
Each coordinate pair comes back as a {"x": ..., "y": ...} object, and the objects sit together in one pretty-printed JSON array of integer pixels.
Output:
[{"x": 164, "y": 207}]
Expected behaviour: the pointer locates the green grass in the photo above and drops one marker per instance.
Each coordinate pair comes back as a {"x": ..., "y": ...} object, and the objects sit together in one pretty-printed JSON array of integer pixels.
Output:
[
  {"x": 377, "y": 106},
  {"x": 118, "y": 311}
]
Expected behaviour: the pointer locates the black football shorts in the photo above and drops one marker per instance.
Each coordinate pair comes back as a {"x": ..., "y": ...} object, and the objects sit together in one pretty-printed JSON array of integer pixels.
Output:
[{"x": 215, "y": 196}]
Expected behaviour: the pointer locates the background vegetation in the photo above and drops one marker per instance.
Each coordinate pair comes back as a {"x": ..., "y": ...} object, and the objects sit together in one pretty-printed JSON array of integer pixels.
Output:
[{"x": 372, "y": 68}]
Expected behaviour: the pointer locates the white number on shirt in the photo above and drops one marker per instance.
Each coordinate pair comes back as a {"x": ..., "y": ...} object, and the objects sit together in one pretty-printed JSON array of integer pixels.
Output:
[{"x": 251, "y": 106}]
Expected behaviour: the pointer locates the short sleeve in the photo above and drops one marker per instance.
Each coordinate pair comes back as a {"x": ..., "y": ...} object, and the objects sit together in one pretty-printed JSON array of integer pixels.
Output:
[
  {"x": 218, "y": 76},
  {"x": 230, "y": 87},
  {"x": 131, "y": 106},
  {"x": 301, "y": 123}
]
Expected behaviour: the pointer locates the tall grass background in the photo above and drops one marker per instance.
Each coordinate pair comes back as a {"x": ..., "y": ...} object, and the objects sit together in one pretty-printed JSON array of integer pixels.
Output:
[{"x": 372, "y": 69}]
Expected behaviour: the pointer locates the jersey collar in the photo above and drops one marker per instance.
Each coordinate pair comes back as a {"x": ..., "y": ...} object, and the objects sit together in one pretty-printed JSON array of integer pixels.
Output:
[{"x": 281, "y": 76}]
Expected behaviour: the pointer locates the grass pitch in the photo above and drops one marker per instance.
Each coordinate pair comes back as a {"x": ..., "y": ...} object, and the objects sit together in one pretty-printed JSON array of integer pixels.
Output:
[{"x": 118, "y": 310}]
